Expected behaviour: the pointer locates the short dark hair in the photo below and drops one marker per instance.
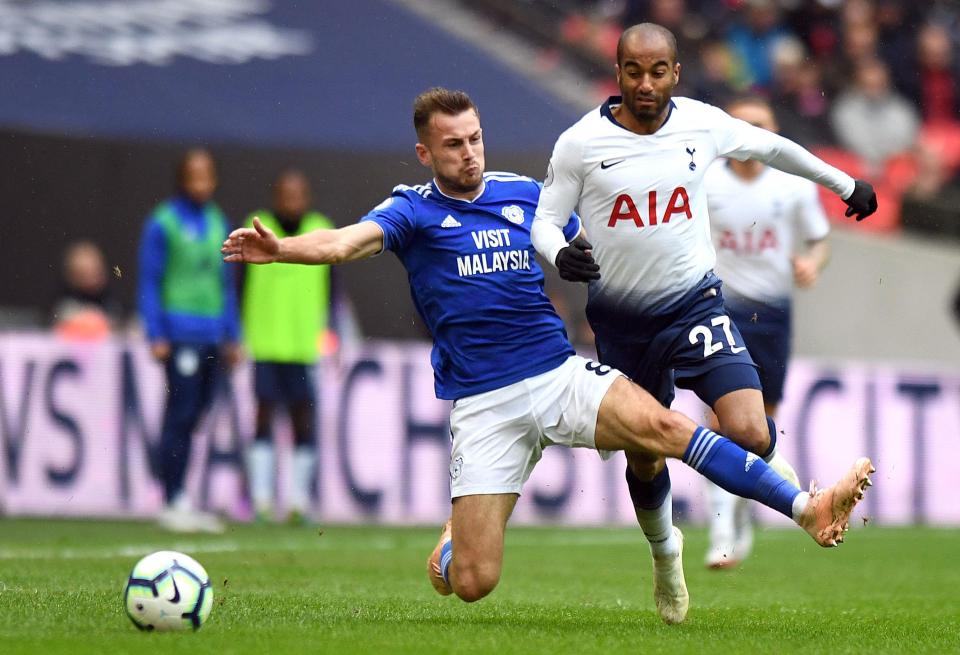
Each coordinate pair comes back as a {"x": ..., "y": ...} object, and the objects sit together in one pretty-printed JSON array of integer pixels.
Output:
[
  {"x": 747, "y": 99},
  {"x": 439, "y": 100},
  {"x": 648, "y": 29},
  {"x": 291, "y": 174}
]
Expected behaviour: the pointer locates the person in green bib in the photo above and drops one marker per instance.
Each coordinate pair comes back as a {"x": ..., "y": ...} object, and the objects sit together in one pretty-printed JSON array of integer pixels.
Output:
[
  {"x": 188, "y": 304},
  {"x": 285, "y": 315}
]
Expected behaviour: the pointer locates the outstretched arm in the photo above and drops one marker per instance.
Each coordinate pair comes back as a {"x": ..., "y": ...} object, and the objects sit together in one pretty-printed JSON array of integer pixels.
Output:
[
  {"x": 744, "y": 141},
  {"x": 259, "y": 245}
]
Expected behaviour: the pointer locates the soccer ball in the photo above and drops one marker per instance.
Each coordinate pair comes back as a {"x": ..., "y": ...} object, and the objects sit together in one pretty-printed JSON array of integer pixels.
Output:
[{"x": 168, "y": 591}]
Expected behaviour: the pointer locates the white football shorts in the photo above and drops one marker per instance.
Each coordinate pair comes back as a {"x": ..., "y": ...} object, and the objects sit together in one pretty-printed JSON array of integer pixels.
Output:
[{"x": 499, "y": 436}]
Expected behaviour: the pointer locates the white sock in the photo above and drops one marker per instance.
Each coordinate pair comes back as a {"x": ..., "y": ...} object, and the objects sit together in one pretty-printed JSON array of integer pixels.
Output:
[
  {"x": 657, "y": 526},
  {"x": 723, "y": 507},
  {"x": 181, "y": 502},
  {"x": 262, "y": 466},
  {"x": 770, "y": 455},
  {"x": 799, "y": 503},
  {"x": 304, "y": 462}
]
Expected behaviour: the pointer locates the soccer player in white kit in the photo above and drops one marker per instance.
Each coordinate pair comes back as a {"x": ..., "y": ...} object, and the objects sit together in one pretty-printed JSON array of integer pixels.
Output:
[
  {"x": 502, "y": 356},
  {"x": 634, "y": 169},
  {"x": 758, "y": 216}
]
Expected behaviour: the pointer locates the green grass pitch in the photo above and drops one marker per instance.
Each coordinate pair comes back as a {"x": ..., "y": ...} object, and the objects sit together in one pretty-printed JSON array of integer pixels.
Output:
[{"x": 363, "y": 590}]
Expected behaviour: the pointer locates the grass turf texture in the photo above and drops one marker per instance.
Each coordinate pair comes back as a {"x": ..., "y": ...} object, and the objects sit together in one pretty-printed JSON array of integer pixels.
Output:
[{"x": 363, "y": 590}]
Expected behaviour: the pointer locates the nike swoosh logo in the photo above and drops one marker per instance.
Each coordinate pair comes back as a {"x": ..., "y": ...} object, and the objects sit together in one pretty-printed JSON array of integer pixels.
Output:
[
  {"x": 605, "y": 165},
  {"x": 176, "y": 592}
]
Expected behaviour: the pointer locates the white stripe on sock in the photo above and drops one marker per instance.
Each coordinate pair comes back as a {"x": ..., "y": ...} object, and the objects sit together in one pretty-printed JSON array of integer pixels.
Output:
[
  {"x": 711, "y": 442},
  {"x": 697, "y": 445}
]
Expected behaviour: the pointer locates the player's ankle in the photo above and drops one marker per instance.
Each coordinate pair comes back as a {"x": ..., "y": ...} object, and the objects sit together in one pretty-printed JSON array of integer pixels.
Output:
[{"x": 799, "y": 505}]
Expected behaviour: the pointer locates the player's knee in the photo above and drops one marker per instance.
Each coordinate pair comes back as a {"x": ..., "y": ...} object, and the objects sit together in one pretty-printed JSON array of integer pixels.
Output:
[
  {"x": 668, "y": 432},
  {"x": 473, "y": 581},
  {"x": 750, "y": 433}
]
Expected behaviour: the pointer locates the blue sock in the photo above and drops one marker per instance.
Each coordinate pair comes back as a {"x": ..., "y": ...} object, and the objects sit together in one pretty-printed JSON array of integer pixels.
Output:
[
  {"x": 739, "y": 472},
  {"x": 648, "y": 494},
  {"x": 446, "y": 556},
  {"x": 767, "y": 456}
]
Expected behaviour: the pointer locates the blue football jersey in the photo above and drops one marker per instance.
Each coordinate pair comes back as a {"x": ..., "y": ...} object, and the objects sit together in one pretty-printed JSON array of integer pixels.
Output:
[{"x": 475, "y": 282}]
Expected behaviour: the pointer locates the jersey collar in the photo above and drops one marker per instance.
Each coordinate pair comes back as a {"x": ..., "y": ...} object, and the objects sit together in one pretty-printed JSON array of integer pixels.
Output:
[
  {"x": 436, "y": 189},
  {"x": 606, "y": 109}
]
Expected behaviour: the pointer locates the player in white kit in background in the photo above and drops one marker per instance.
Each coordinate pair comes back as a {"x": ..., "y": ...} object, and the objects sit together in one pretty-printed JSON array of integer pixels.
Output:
[
  {"x": 634, "y": 168},
  {"x": 770, "y": 232}
]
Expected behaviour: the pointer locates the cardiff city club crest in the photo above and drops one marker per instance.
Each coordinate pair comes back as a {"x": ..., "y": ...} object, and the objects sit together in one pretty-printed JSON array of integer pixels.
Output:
[{"x": 513, "y": 213}]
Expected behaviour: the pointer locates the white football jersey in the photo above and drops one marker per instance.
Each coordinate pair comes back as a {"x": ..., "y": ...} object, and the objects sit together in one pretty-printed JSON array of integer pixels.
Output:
[
  {"x": 642, "y": 199},
  {"x": 757, "y": 225}
]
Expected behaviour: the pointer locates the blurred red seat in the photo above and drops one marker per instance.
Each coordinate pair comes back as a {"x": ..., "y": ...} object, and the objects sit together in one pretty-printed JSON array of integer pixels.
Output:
[
  {"x": 944, "y": 137},
  {"x": 899, "y": 172}
]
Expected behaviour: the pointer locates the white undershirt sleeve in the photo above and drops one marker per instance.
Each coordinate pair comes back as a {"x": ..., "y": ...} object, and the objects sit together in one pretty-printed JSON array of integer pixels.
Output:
[
  {"x": 559, "y": 198},
  {"x": 740, "y": 140}
]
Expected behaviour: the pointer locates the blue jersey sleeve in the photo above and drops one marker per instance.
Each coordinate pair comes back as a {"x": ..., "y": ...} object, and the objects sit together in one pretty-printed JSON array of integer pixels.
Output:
[
  {"x": 397, "y": 218},
  {"x": 153, "y": 259},
  {"x": 572, "y": 228}
]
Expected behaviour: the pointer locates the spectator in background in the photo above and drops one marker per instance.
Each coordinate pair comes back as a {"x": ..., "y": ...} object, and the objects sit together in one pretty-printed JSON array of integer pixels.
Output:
[
  {"x": 933, "y": 85},
  {"x": 690, "y": 25},
  {"x": 718, "y": 77},
  {"x": 897, "y": 22},
  {"x": 799, "y": 96},
  {"x": 871, "y": 119},
  {"x": 859, "y": 46},
  {"x": 931, "y": 203},
  {"x": 85, "y": 308},
  {"x": 754, "y": 39},
  {"x": 285, "y": 315},
  {"x": 189, "y": 309}
]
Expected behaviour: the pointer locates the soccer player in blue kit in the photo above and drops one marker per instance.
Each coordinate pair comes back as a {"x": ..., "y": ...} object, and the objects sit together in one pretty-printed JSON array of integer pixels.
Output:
[
  {"x": 634, "y": 169},
  {"x": 502, "y": 356}
]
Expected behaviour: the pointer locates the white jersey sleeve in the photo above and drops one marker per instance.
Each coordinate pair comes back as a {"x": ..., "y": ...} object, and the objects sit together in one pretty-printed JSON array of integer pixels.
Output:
[
  {"x": 740, "y": 140},
  {"x": 559, "y": 197}
]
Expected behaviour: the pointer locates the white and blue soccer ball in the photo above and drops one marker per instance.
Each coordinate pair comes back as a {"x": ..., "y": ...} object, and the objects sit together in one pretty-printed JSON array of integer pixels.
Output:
[{"x": 168, "y": 591}]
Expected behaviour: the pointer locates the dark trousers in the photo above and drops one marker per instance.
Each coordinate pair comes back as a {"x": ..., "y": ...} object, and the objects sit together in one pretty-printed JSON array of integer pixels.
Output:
[{"x": 192, "y": 377}]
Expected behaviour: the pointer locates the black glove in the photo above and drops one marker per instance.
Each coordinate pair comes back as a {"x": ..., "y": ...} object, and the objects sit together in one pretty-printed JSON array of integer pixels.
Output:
[
  {"x": 862, "y": 202},
  {"x": 576, "y": 264}
]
